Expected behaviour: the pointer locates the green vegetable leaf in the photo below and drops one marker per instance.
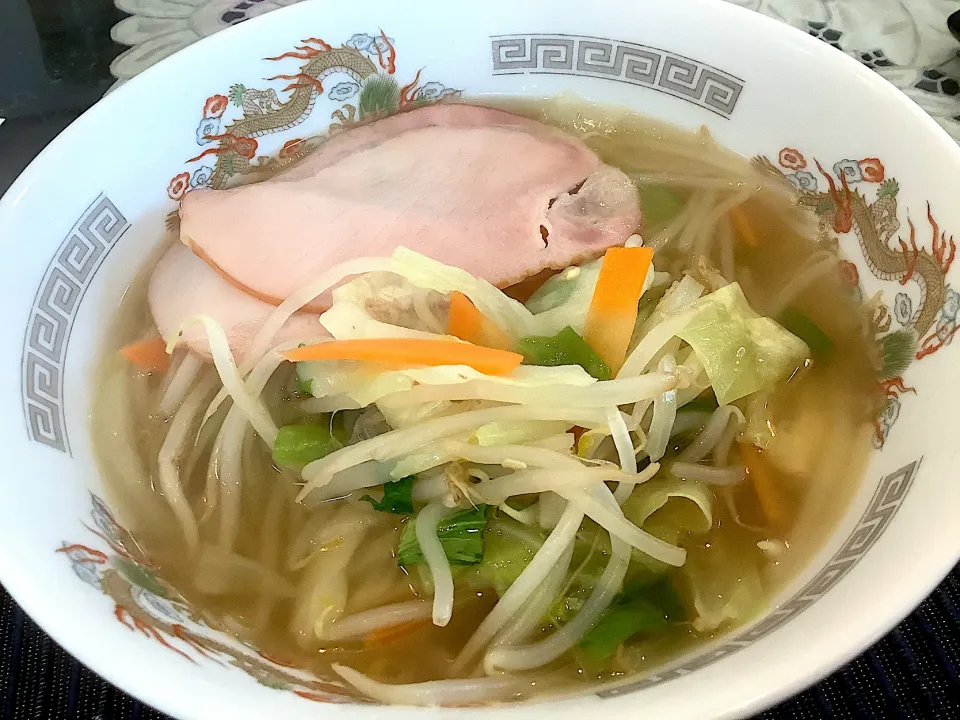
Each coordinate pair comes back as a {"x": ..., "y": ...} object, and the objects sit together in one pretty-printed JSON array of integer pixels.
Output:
[
  {"x": 397, "y": 497},
  {"x": 660, "y": 205},
  {"x": 564, "y": 299},
  {"x": 741, "y": 351},
  {"x": 304, "y": 385},
  {"x": 564, "y": 348},
  {"x": 639, "y": 609},
  {"x": 297, "y": 445},
  {"x": 705, "y": 402},
  {"x": 509, "y": 548},
  {"x": 663, "y": 594},
  {"x": 725, "y": 584},
  {"x": 563, "y": 286},
  {"x": 618, "y": 625},
  {"x": 803, "y": 327},
  {"x": 461, "y": 537}
]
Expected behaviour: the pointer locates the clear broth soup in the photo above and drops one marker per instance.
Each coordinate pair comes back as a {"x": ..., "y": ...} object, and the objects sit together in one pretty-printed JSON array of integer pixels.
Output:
[{"x": 289, "y": 572}]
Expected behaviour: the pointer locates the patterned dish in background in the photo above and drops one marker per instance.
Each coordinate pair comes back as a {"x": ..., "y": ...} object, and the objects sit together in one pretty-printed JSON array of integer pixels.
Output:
[
  {"x": 907, "y": 43},
  {"x": 257, "y": 98}
]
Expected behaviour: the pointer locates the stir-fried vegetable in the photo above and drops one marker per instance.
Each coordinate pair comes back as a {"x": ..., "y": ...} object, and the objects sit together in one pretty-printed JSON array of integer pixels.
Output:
[
  {"x": 620, "y": 624},
  {"x": 741, "y": 351},
  {"x": 759, "y": 473},
  {"x": 397, "y": 497},
  {"x": 471, "y": 325},
  {"x": 800, "y": 324},
  {"x": 150, "y": 354},
  {"x": 461, "y": 536},
  {"x": 509, "y": 548},
  {"x": 703, "y": 403},
  {"x": 725, "y": 584},
  {"x": 564, "y": 348},
  {"x": 304, "y": 386},
  {"x": 637, "y": 610},
  {"x": 389, "y": 634},
  {"x": 452, "y": 405},
  {"x": 660, "y": 205},
  {"x": 297, "y": 445},
  {"x": 563, "y": 300},
  {"x": 417, "y": 351},
  {"x": 508, "y": 314},
  {"x": 738, "y": 217},
  {"x": 613, "y": 309},
  {"x": 564, "y": 287}
]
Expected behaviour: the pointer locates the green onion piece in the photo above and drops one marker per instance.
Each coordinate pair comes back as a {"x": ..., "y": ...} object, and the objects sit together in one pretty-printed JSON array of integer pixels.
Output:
[
  {"x": 304, "y": 386},
  {"x": 297, "y": 445},
  {"x": 564, "y": 348},
  {"x": 807, "y": 330},
  {"x": 660, "y": 205},
  {"x": 703, "y": 403},
  {"x": 618, "y": 625},
  {"x": 461, "y": 537},
  {"x": 646, "y": 609},
  {"x": 664, "y": 595},
  {"x": 397, "y": 497}
]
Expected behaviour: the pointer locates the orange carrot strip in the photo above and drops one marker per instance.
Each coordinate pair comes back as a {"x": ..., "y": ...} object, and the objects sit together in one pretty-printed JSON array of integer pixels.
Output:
[
  {"x": 468, "y": 323},
  {"x": 385, "y": 635},
  {"x": 759, "y": 472},
  {"x": 613, "y": 309},
  {"x": 150, "y": 355},
  {"x": 742, "y": 225},
  {"x": 413, "y": 351}
]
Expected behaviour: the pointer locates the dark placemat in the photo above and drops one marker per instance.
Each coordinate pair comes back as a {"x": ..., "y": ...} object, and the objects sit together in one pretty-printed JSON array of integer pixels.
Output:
[
  {"x": 54, "y": 62},
  {"x": 914, "y": 672}
]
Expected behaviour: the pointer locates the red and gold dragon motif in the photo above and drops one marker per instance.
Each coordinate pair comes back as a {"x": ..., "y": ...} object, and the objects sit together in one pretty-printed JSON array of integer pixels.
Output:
[
  {"x": 145, "y": 604},
  {"x": 844, "y": 210}
]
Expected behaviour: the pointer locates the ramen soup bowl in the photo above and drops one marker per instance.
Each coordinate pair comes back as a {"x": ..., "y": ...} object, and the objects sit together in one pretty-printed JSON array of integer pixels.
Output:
[{"x": 876, "y": 173}]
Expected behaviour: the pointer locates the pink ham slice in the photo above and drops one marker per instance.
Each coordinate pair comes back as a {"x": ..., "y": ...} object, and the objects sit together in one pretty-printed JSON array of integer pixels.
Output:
[
  {"x": 182, "y": 286},
  {"x": 501, "y": 196}
]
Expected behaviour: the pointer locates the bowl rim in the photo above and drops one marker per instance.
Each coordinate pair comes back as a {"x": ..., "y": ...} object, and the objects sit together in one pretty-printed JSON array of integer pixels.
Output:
[{"x": 32, "y": 594}]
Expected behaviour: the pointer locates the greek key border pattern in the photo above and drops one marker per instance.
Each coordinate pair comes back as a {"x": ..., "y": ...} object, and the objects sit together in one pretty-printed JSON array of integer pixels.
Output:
[
  {"x": 883, "y": 506},
  {"x": 51, "y": 318},
  {"x": 625, "y": 62}
]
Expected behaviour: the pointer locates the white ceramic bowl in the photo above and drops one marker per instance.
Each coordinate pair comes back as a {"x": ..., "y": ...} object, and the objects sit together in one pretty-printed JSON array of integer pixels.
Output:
[{"x": 88, "y": 211}]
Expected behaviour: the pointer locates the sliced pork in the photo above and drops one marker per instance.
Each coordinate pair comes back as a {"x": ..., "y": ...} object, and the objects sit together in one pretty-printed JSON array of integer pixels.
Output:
[
  {"x": 501, "y": 196},
  {"x": 183, "y": 286}
]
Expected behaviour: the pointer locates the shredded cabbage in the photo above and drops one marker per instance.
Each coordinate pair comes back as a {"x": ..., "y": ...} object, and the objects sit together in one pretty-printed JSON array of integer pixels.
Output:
[
  {"x": 509, "y": 315},
  {"x": 366, "y": 383},
  {"x": 605, "y": 393},
  {"x": 384, "y": 305},
  {"x": 650, "y": 497},
  {"x": 509, "y": 548},
  {"x": 564, "y": 299},
  {"x": 517, "y": 433},
  {"x": 741, "y": 351},
  {"x": 725, "y": 583},
  {"x": 346, "y": 321}
]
